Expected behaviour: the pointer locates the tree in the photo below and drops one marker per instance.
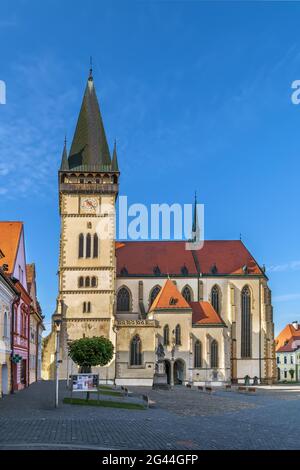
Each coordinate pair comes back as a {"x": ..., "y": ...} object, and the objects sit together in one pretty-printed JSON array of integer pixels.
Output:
[{"x": 89, "y": 352}]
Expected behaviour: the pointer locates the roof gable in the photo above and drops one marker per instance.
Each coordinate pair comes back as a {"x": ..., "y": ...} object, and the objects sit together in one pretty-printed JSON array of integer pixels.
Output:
[
  {"x": 205, "y": 314},
  {"x": 169, "y": 298},
  {"x": 10, "y": 235}
]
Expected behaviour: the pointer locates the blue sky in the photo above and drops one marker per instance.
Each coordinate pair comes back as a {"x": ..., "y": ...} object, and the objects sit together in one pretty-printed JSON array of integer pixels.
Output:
[{"x": 198, "y": 96}]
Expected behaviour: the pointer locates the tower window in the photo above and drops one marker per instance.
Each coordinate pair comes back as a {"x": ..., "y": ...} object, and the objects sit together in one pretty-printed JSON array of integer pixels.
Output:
[
  {"x": 96, "y": 243},
  {"x": 84, "y": 307},
  {"x": 88, "y": 246},
  {"x": 94, "y": 281},
  {"x": 89, "y": 307},
  {"x": 87, "y": 282},
  {"x": 81, "y": 242},
  {"x": 80, "y": 281}
]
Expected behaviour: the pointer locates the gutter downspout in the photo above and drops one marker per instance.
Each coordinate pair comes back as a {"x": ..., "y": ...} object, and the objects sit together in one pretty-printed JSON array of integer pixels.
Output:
[{"x": 12, "y": 330}]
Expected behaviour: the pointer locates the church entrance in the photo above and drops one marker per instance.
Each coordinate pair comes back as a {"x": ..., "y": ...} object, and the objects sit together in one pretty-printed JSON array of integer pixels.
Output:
[
  {"x": 168, "y": 370},
  {"x": 179, "y": 372}
]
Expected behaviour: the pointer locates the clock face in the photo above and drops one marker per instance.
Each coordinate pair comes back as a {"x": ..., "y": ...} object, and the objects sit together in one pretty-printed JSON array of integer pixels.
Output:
[{"x": 89, "y": 204}]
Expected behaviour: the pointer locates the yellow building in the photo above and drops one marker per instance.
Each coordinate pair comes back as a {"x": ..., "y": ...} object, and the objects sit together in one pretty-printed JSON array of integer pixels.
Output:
[{"x": 210, "y": 309}]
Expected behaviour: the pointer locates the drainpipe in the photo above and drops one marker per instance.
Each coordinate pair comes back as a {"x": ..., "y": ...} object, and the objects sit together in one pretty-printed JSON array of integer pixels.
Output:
[{"x": 12, "y": 326}]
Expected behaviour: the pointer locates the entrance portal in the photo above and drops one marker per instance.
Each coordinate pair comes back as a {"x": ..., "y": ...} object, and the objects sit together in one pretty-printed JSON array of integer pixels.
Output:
[{"x": 179, "y": 372}]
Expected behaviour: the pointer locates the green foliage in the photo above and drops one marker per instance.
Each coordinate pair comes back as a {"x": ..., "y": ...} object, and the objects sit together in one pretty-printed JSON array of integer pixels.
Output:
[
  {"x": 105, "y": 403},
  {"x": 88, "y": 352},
  {"x": 292, "y": 372}
]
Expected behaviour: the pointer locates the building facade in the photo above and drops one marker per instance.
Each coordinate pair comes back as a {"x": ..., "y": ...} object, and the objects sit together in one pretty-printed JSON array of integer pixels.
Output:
[
  {"x": 213, "y": 304},
  {"x": 8, "y": 295},
  {"x": 288, "y": 353},
  {"x": 36, "y": 327}
]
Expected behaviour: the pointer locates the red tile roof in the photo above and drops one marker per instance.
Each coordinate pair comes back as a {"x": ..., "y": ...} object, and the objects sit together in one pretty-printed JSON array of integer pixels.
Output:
[
  {"x": 10, "y": 233},
  {"x": 169, "y": 298},
  {"x": 292, "y": 345},
  {"x": 141, "y": 257},
  {"x": 286, "y": 334},
  {"x": 205, "y": 314}
]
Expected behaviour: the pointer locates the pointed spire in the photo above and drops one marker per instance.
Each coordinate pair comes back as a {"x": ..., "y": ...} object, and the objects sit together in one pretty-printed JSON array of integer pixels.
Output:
[
  {"x": 91, "y": 69},
  {"x": 89, "y": 149},
  {"x": 114, "y": 163},
  {"x": 64, "y": 159},
  {"x": 195, "y": 228}
]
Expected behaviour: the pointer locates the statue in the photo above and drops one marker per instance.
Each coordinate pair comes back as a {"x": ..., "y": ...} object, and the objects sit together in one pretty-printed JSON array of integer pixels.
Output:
[{"x": 160, "y": 379}]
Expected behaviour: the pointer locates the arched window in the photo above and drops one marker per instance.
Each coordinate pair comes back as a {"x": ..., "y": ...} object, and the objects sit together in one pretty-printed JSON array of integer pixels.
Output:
[
  {"x": 5, "y": 326},
  {"x": 81, "y": 242},
  {"x": 89, "y": 307},
  {"x": 87, "y": 281},
  {"x": 178, "y": 335},
  {"x": 197, "y": 354},
  {"x": 153, "y": 294},
  {"x": 84, "y": 307},
  {"x": 216, "y": 298},
  {"x": 95, "y": 249},
  {"x": 166, "y": 335},
  {"x": 88, "y": 246},
  {"x": 123, "y": 300},
  {"x": 80, "y": 281},
  {"x": 246, "y": 323},
  {"x": 136, "y": 351},
  {"x": 187, "y": 294},
  {"x": 214, "y": 354},
  {"x": 94, "y": 281}
]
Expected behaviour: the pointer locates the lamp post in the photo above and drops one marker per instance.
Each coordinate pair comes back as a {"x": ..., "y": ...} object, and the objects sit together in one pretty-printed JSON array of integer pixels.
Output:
[{"x": 57, "y": 323}]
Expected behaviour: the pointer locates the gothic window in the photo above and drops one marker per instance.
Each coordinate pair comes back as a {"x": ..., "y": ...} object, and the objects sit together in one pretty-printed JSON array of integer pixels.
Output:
[
  {"x": 123, "y": 300},
  {"x": 178, "y": 335},
  {"x": 5, "y": 326},
  {"x": 214, "y": 354},
  {"x": 96, "y": 243},
  {"x": 154, "y": 293},
  {"x": 80, "y": 281},
  {"x": 246, "y": 323},
  {"x": 87, "y": 282},
  {"x": 81, "y": 242},
  {"x": 94, "y": 281},
  {"x": 187, "y": 293},
  {"x": 136, "y": 351},
  {"x": 88, "y": 246},
  {"x": 197, "y": 354},
  {"x": 166, "y": 335},
  {"x": 216, "y": 298}
]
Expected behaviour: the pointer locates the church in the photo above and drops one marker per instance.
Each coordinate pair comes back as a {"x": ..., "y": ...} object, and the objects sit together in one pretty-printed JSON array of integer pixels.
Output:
[{"x": 209, "y": 310}]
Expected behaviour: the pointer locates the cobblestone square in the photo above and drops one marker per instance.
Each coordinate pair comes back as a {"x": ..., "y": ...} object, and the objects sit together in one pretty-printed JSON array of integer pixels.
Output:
[{"x": 180, "y": 419}]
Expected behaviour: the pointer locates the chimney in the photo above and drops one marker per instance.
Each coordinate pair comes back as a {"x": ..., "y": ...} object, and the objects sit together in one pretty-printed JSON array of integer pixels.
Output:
[{"x": 295, "y": 325}]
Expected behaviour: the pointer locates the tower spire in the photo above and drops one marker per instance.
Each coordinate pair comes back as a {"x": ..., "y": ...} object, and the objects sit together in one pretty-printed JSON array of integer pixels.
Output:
[
  {"x": 89, "y": 149},
  {"x": 114, "y": 162},
  {"x": 91, "y": 69},
  {"x": 195, "y": 228},
  {"x": 64, "y": 159}
]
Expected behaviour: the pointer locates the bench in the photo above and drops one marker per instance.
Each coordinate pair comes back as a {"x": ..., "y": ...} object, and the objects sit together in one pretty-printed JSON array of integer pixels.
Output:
[
  {"x": 252, "y": 389},
  {"x": 188, "y": 386},
  {"x": 228, "y": 387},
  {"x": 208, "y": 389},
  {"x": 200, "y": 387},
  {"x": 242, "y": 389}
]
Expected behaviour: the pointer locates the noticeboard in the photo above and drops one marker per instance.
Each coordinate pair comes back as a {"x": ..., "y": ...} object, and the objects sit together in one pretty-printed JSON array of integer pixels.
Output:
[{"x": 85, "y": 382}]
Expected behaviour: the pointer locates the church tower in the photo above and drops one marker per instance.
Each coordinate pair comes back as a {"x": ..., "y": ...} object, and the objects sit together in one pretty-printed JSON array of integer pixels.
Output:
[{"x": 88, "y": 188}]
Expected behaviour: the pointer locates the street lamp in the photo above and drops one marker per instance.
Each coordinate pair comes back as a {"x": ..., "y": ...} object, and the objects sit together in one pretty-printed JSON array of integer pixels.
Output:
[{"x": 57, "y": 323}]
